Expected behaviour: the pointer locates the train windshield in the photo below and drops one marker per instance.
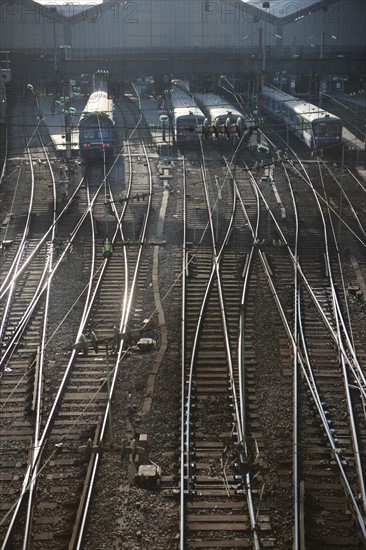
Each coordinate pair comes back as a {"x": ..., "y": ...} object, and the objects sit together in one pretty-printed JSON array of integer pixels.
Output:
[
  {"x": 324, "y": 129},
  {"x": 96, "y": 134}
]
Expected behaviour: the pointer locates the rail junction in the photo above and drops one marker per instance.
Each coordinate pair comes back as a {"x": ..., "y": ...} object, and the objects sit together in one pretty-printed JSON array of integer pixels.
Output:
[{"x": 182, "y": 343}]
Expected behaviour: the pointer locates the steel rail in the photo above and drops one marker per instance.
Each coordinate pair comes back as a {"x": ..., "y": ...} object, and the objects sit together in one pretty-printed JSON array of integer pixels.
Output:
[
  {"x": 296, "y": 504},
  {"x": 360, "y": 374},
  {"x": 106, "y": 174},
  {"x": 358, "y": 182},
  {"x": 340, "y": 272},
  {"x": 196, "y": 340},
  {"x": 40, "y": 289},
  {"x": 337, "y": 336},
  {"x": 11, "y": 292},
  {"x": 340, "y": 323},
  {"x": 310, "y": 380},
  {"x": 3, "y": 291},
  {"x": 336, "y": 316},
  {"x": 120, "y": 355},
  {"x": 215, "y": 271},
  {"x": 37, "y": 296},
  {"x": 355, "y": 443},
  {"x": 216, "y": 260},
  {"x": 186, "y": 406},
  {"x": 19, "y": 254},
  {"x": 35, "y": 471},
  {"x": 307, "y": 181},
  {"x": 48, "y": 426},
  {"x": 128, "y": 296},
  {"x": 20, "y": 329},
  {"x": 295, "y": 381},
  {"x": 298, "y": 524},
  {"x": 30, "y": 479},
  {"x": 19, "y": 169},
  {"x": 360, "y": 519},
  {"x": 21, "y": 247},
  {"x": 38, "y": 293},
  {"x": 352, "y": 361},
  {"x": 345, "y": 195},
  {"x": 72, "y": 237},
  {"x": 38, "y": 450},
  {"x": 241, "y": 346},
  {"x": 341, "y": 220},
  {"x": 182, "y": 514},
  {"x": 309, "y": 377},
  {"x": 93, "y": 259},
  {"x": 82, "y": 513},
  {"x": 39, "y": 389},
  {"x": 119, "y": 217},
  {"x": 246, "y": 278},
  {"x": 79, "y": 526},
  {"x": 30, "y": 205},
  {"x": 47, "y": 268},
  {"x": 316, "y": 398},
  {"x": 187, "y": 442}
]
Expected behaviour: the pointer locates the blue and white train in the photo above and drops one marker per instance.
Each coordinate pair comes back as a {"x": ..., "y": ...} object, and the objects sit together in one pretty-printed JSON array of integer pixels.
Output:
[
  {"x": 314, "y": 126},
  {"x": 188, "y": 119},
  {"x": 223, "y": 120},
  {"x": 96, "y": 127}
]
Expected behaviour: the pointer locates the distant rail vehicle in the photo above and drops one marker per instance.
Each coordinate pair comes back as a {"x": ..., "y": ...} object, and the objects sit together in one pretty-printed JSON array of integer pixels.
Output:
[
  {"x": 224, "y": 120},
  {"x": 314, "y": 126},
  {"x": 188, "y": 119},
  {"x": 96, "y": 127}
]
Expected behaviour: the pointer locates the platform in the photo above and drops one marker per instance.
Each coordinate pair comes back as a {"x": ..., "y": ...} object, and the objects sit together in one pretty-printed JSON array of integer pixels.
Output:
[
  {"x": 353, "y": 99},
  {"x": 55, "y": 122},
  {"x": 152, "y": 110},
  {"x": 351, "y": 141}
]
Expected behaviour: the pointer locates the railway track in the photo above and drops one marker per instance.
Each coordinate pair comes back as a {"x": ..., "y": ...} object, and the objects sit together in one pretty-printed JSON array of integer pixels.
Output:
[
  {"x": 217, "y": 507},
  {"x": 81, "y": 398},
  {"x": 311, "y": 464},
  {"x": 272, "y": 442}
]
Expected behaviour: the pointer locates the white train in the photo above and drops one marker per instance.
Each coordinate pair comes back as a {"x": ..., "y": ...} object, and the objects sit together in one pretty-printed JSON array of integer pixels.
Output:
[
  {"x": 188, "y": 119},
  {"x": 222, "y": 118},
  {"x": 314, "y": 126},
  {"x": 96, "y": 127}
]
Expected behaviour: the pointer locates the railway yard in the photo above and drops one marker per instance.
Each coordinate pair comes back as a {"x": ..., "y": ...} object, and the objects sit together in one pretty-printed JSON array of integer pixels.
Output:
[{"x": 183, "y": 358}]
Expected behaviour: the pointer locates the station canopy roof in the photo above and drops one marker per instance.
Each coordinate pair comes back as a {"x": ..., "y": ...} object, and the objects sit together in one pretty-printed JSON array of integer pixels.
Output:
[
  {"x": 286, "y": 8},
  {"x": 279, "y": 9},
  {"x": 69, "y": 8}
]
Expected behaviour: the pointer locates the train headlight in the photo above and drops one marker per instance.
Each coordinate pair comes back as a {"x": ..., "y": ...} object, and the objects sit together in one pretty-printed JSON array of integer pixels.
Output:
[
  {"x": 239, "y": 126},
  {"x": 227, "y": 127}
]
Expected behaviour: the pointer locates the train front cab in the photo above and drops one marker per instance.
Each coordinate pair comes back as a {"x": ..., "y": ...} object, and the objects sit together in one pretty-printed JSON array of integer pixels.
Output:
[
  {"x": 326, "y": 132},
  {"x": 95, "y": 142},
  {"x": 188, "y": 129}
]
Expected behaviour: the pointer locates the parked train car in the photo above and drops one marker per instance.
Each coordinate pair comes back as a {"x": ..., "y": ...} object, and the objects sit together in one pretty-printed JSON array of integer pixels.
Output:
[
  {"x": 96, "y": 127},
  {"x": 188, "y": 119},
  {"x": 224, "y": 120},
  {"x": 314, "y": 126}
]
